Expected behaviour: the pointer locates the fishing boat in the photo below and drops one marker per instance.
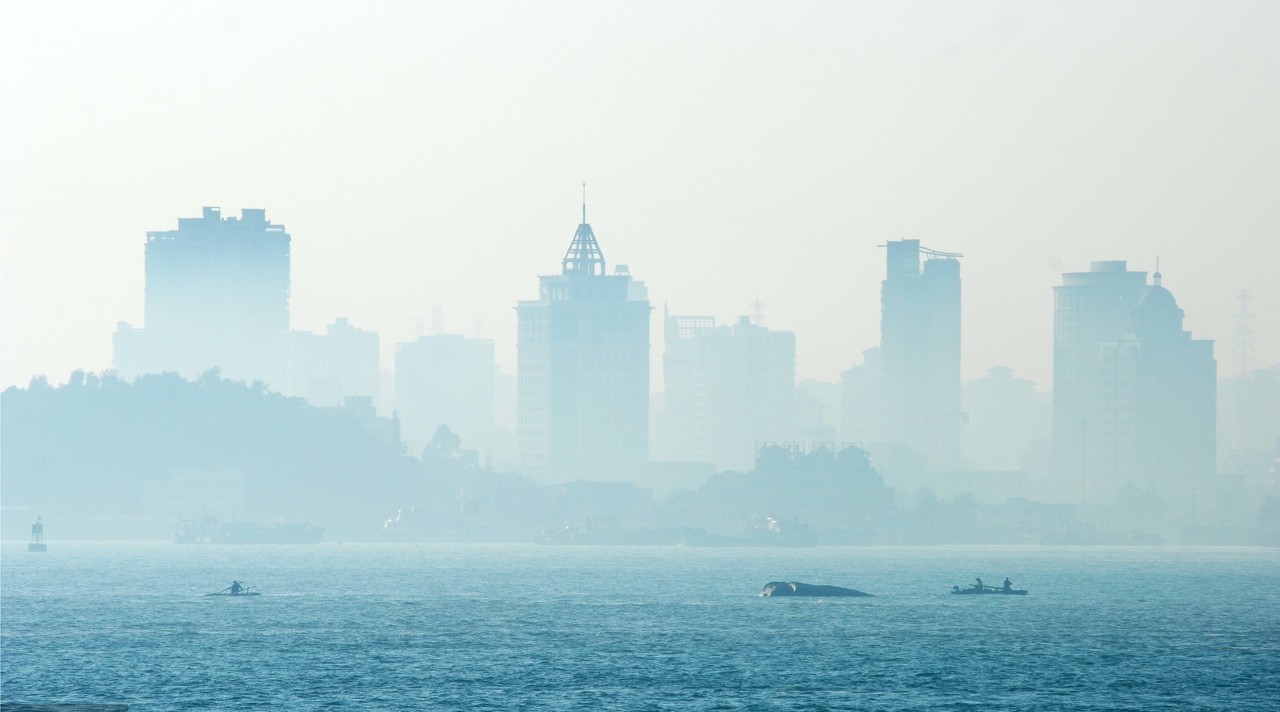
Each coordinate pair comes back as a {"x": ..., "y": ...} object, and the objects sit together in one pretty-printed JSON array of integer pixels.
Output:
[
  {"x": 988, "y": 590},
  {"x": 235, "y": 589}
]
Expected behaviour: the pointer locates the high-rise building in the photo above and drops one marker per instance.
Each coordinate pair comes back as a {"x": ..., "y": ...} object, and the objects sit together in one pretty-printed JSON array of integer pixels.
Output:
[
  {"x": 1089, "y": 309},
  {"x": 1006, "y": 421},
  {"x": 217, "y": 295},
  {"x": 860, "y": 400},
  {"x": 583, "y": 368},
  {"x": 446, "y": 379},
  {"x": 327, "y": 368},
  {"x": 920, "y": 352},
  {"x": 1134, "y": 394},
  {"x": 727, "y": 388},
  {"x": 1158, "y": 390}
]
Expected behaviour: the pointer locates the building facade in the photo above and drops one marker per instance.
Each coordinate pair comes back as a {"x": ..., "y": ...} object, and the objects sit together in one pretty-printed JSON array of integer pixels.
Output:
[
  {"x": 727, "y": 388},
  {"x": 217, "y": 295},
  {"x": 327, "y": 368},
  {"x": 583, "y": 368},
  {"x": 1134, "y": 394},
  {"x": 920, "y": 404},
  {"x": 446, "y": 379},
  {"x": 1089, "y": 309}
]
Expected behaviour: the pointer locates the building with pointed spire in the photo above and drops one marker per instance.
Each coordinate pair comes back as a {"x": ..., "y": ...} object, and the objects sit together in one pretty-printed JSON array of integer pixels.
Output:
[{"x": 583, "y": 368}]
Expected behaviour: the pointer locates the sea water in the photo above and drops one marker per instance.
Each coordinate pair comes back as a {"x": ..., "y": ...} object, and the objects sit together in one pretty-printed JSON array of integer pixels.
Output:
[{"x": 530, "y": 627}]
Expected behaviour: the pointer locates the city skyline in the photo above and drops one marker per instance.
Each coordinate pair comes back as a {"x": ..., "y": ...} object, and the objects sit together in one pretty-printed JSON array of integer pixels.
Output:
[{"x": 1147, "y": 140}]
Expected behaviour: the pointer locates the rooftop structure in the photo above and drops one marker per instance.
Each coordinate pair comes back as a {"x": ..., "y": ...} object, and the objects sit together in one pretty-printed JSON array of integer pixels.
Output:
[
  {"x": 217, "y": 295},
  {"x": 920, "y": 352},
  {"x": 583, "y": 368}
]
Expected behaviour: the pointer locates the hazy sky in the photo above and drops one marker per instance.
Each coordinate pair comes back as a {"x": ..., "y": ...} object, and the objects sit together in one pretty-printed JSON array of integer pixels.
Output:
[{"x": 426, "y": 154}]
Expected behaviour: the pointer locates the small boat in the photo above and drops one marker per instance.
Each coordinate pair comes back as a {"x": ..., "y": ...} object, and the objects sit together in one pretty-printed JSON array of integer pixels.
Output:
[
  {"x": 235, "y": 589},
  {"x": 989, "y": 589}
]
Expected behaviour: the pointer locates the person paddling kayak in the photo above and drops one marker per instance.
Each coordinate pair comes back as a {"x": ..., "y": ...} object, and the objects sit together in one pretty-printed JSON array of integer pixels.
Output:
[{"x": 236, "y": 588}]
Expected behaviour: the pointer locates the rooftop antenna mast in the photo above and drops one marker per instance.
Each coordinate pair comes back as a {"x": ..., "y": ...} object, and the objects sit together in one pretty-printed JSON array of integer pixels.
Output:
[{"x": 584, "y": 256}]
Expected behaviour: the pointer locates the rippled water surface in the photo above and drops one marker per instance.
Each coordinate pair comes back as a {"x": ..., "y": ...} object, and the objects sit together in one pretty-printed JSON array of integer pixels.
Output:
[{"x": 518, "y": 627}]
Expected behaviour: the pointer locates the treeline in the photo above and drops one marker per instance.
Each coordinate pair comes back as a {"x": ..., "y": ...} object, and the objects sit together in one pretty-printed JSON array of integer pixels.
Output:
[
  {"x": 100, "y": 447},
  {"x": 107, "y": 458}
]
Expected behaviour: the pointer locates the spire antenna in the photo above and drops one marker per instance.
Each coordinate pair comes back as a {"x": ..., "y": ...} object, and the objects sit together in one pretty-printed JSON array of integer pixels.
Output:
[
  {"x": 584, "y": 256},
  {"x": 1157, "y": 276}
]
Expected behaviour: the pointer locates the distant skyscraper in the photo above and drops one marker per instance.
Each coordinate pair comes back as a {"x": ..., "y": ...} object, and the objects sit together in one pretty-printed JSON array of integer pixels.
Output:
[
  {"x": 327, "y": 368},
  {"x": 1134, "y": 394},
  {"x": 920, "y": 352},
  {"x": 217, "y": 294},
  {"x": 860, "y": 393},
  {"x": 727, "y": 388},
  {"x": 1006, "y": 419},
  {"x": 583, "y": 367},
  {"x": 1090, "y": 309},
  {"x": 1162, "y": 428},
  {"x": 446, "y": 379}
]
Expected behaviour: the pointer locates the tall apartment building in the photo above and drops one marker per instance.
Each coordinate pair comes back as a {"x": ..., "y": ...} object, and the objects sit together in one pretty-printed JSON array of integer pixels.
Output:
[
  {"x": 1134, "y": 394},
  {"x": 1089, "y": 309},
  {"x": 920, "y": 402},
  {"x": 583, "y": 368},
  {"x": 727, "y": 388},
  {"x": 217, "y": 295},
  {"x": 446, "y": 379}
]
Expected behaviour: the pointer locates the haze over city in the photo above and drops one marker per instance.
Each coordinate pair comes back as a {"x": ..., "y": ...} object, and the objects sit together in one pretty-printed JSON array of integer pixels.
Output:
[
  {"x": 562, "y": 355},
  {"x": 433, "y": 156}
]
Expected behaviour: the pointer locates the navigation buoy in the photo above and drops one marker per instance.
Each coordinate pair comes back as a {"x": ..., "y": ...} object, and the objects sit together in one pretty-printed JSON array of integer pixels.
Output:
[{"x": 37, "y": 537}]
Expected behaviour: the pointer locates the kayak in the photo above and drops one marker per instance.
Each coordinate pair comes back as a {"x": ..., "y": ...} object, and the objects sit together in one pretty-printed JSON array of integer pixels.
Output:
[{"x": 236, "y": 595}]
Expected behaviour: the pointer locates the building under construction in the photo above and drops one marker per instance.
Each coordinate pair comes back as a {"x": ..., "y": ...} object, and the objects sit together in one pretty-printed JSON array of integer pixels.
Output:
[{"x": 920, "y": 353}]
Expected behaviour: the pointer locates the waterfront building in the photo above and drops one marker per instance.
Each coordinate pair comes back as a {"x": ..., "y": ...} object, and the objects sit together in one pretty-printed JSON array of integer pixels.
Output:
[
  {"x": 446, "y": 379},
  {"x": 727, "y": 388},
  {"x": 860, "y": 400},
  {"x": 327, "y": 368},
  {"x": 1006, "y": 420},
  {"x": 217, "y": 296},
  {"x": 1134, "y": 394},
  {"x": 920, "y": 352},
  {"x": 583, "y": 368},
  {"x": 1089, "y": 309}
]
